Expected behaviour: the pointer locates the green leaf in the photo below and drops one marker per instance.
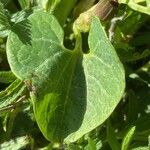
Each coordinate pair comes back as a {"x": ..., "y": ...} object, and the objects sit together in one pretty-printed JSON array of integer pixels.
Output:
[
  {"x": 4, "y": 22},
  {"x": 112, "y": 140},
  {"x": 11, "y": 94},
  {"x": 66, "y": 87},
  {"x": 7, "y": 77},
  {"x": 136, "y": 6},
  {"x": 104, "y": 80},
  {"x": 74, "y": 147},
  {"x": 91, "y": 144},
  {"x": 20, "y": 16},
  {"x": 142, "y": 125},
  {"x": 66, "y": 7},
  {"x": 141, "y": 148},
  {"x": 49, "y": 5},
  {"x": 127, "y": 139},
  {"x": 24, "y": 3},
  {"x": 48, "y": 62},
  {"x": 15, "y": 144}
]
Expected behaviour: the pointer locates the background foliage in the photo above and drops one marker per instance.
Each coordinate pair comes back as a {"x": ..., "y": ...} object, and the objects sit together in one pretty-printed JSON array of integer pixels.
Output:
[{"x": 128, "y": 125}]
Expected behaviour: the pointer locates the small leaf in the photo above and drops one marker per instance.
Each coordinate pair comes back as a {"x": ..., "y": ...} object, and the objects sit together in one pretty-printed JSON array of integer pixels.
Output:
[
  {"x": 140, "y": 148},
  {"x": 15, "y": 144},
  {"x": 128, "y": 138},
  {"x": 20, "y": 16},
  {"x": 11, "y": 94},
  {"x": 7, "y": 77},
  {"x": 91, "y": 144},
  {"x": 112, "y": 140},
  {"x": 4, "y": 22},
  {"x": 74, "y": 147},
  {"x": 66, "y": 7},
  {"x": 136, "y": 6},
  {"x": 142, "y": 125},
  {"x": 24, "y": 3},
  {"x": 49, "y": 5}
]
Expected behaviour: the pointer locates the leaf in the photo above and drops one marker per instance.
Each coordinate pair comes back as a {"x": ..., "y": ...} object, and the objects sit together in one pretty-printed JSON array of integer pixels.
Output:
[
  {"x": 24, "y": 3},
  {"x": 91, "y": 144},
  {"x": 15, "y": 144},
  {"x": 142, "y": 125},
  {"x": 4, "y": 22},
  {"x": 137, "y": 7},
  {"x": 104, "y": 80},
  {"x": 141, "y": 148},
  {"x": 67, "y": 87},
  {"x": 20, "y": 16},
  {"x": 66, "y": 7},
  {"x": 127, "y": 139},
  {"x": 48, "y": 62},
  {"x": 11, "y": 94},
  {"x": 7, "y": 77},
  {"x": 49, "y": 5},
  {"x": 74, "y": 147},
  {"x": 134, "y": 56},
  {"x": 112, "y": 140}
]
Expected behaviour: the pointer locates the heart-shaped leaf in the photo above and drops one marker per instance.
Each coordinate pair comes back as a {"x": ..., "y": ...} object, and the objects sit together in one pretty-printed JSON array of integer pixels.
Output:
[{"x": 72, "y": 93}]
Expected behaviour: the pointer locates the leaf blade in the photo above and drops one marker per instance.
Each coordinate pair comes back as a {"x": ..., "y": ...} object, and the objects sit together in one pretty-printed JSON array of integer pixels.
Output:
[
  {"x": 103, "y": 73},
  {"x": 62, "y": 108}
]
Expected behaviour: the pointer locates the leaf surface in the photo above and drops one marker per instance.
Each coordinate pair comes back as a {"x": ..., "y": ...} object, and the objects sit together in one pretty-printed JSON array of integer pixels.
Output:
[
  {"x": 104, "y": 75},
  {"x": 72, "y": 93}
]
